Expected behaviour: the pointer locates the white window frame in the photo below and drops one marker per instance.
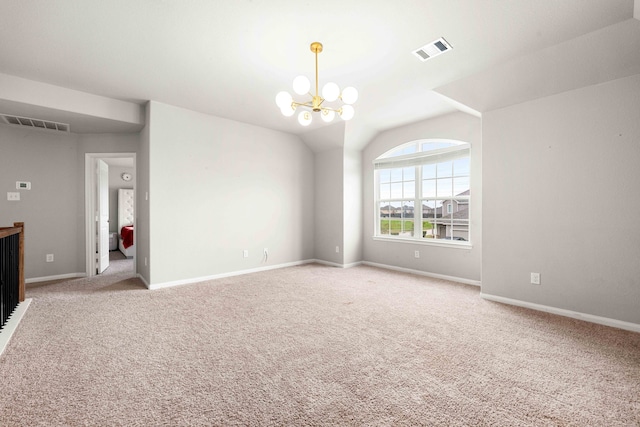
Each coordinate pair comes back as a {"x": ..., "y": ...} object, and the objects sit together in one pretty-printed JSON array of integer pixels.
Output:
[{"x": 419, "y": 158}]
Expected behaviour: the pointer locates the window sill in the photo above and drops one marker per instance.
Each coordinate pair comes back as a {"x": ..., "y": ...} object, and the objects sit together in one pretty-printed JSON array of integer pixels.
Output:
[{"x": 427, "y": 242}]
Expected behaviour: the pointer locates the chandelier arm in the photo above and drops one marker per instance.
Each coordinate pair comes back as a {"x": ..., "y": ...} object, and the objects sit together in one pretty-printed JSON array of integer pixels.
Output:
[
  {"x": 339, "y": 110},
  {"x": 301, "y": 104}
]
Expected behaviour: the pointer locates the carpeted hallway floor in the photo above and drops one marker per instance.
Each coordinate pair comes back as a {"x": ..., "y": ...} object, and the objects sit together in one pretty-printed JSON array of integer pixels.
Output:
[{"x": 308, "y": 345}]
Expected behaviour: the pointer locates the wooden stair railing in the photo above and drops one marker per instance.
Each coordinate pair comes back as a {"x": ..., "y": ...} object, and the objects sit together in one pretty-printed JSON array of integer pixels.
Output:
[{"x": 11, "y": 269}]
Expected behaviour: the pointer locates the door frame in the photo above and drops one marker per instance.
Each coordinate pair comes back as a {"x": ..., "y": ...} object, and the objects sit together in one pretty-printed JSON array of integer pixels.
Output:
[
  {"x": 103, "y": 212},
  {"x": 90, "y": 194}
]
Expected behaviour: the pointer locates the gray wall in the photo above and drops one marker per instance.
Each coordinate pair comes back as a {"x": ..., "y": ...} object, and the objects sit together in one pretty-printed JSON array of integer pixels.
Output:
[
  {"x": 218, "y": 187},
  {"x": 50, "y": 209},
  {"x": 561, "y": 198},
  {"x": 329, "y": 206},
  {"x": 143, "y": 223},
  {"x": 454, "y": 262},
  {"x": 353, "y": 221}
]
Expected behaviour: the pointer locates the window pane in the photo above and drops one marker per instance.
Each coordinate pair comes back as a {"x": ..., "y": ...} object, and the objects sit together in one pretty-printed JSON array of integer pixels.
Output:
[
  {"x": 445, "y": 169},
  {"x": 396, "y": 209},
  {"x": 409, "y": 174},
  {"x": 384, "y": 175},
  {"x": 429, "y": 171},
  {"x": 445, "y": 187},
  {"x": 396, "y": 190},
  {"x": 385, "y": 213},
  {"x": 427, "y": 228},
  {"x": 462, "y": 204},
  {"x": 428, "y": 218},
  {"x": 407, "y": 210},
  {"x": 461, "y": 167},
  {"x": 396, "y": 175},
  {"x": 395, "y": 223},
  {"x": 436, "y": 145},
  {"x": 459, "y": 230},
  {"x": 439, "y": 227},
  {"x": 402, "y": 223},
  {"x": 407, "y": 216},
  {"x": 385, "y": 191},
  {"x": 409, "y": 149},
  {"x": 385, "y": 210},
  {"x": 428, "y": 209},
  {"x": 429, "y": 188},
  {"x": 409, "y": 189},
  {"x": 460, "y": 185}
]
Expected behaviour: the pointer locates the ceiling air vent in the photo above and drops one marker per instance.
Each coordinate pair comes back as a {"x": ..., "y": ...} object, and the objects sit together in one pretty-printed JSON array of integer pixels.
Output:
[
  {"x": 432, "y": 49},
  {"x": 35, "y": 123}
]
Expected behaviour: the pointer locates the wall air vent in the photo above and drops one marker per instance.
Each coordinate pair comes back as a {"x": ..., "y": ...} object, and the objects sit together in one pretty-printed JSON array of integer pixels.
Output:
[
  {"x": 432, "y": 49},
  {"x": 35, "y": 123}
]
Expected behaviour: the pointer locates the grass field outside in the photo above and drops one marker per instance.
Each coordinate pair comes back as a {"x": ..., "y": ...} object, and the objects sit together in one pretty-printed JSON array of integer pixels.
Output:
[{"x": 397, "y": 226}]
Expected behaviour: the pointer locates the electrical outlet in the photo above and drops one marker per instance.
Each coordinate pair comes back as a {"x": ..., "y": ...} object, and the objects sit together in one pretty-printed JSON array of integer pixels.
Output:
[
  {"x": 535, "y": 278},
  {"x": 337, "y": 249},
  {"x": 416, "y": 254},
  {"x": 49, "y": 258},
  {"x": 245, "y": 253},
  {"x": 11, "y": 195}
]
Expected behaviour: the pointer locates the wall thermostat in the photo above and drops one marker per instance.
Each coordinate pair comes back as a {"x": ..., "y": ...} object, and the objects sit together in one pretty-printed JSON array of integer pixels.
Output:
[{"x": 23, "y": 185}]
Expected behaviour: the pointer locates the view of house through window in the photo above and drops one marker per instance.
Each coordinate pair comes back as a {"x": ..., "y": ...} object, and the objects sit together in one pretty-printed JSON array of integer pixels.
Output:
[{"x": 423, "y": 191}]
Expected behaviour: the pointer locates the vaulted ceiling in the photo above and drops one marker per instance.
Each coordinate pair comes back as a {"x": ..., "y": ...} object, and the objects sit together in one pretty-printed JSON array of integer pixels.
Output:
[{"x": 230, "y": 58}]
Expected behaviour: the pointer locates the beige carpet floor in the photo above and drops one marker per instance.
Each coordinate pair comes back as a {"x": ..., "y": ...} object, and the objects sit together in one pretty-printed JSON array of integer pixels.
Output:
[{"x": 308, "y": 345}]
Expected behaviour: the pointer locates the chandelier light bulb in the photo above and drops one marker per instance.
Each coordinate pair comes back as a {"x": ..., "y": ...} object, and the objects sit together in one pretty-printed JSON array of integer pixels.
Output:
[
  {"x": 288, "y": 110},
  {"x": 349, "y": 95},
  {"x": 301, "y": 85},
  {"x": 327, "y": 115},
  {"x": 347, "y": 112},
  {"x": 283, "y": 100},
  {"x": 330, "y": 92},
  {"x": 304, "y": 118}
]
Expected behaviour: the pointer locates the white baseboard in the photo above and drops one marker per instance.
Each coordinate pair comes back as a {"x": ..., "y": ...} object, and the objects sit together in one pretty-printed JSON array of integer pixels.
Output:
[
  {"x": 424, "y": 273},
  {"x": 308, "y": 261},
  {"x": 12, "y": 324},
  {"x": 223, "y": 275},
  {"x": 335, "y": 264},
  {"x": 58, "y": 277},
  {"x": 634, "y": 327}
]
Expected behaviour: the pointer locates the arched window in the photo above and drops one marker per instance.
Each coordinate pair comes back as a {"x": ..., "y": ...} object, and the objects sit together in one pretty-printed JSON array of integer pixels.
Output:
[{"x": 422, "y": 191}]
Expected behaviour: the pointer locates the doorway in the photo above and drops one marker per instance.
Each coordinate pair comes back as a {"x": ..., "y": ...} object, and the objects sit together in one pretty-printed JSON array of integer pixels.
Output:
[{"x": 105, "y": 175}]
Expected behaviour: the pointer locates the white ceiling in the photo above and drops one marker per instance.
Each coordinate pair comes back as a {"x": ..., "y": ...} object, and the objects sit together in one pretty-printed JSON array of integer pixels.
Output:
[{"x": 230, "y": 58}]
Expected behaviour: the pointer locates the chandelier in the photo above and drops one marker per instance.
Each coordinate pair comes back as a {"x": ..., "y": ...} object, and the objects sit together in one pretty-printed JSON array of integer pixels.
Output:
[{"x": 330, "y": 93}]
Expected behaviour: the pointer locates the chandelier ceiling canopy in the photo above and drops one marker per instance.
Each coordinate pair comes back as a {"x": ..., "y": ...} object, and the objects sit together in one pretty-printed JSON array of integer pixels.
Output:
[{"x": 330, "y": 93}]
